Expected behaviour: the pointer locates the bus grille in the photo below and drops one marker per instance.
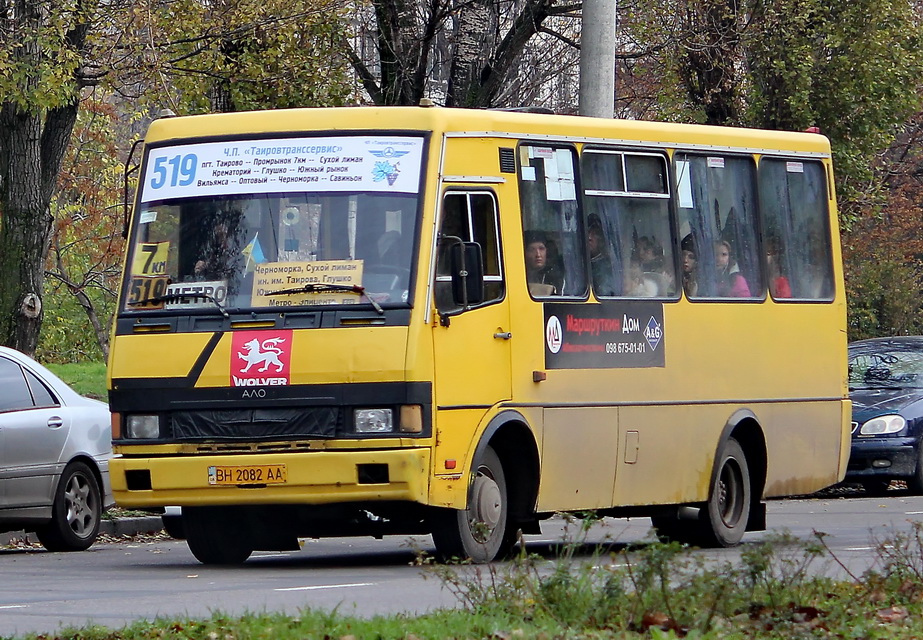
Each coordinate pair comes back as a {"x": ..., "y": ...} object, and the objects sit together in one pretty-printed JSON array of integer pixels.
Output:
[{"x": 255, "y": 424}]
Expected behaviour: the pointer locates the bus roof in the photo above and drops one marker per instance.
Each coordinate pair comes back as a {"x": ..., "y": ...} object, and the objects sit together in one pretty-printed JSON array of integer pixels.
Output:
[{"x": 482, "y": 123}]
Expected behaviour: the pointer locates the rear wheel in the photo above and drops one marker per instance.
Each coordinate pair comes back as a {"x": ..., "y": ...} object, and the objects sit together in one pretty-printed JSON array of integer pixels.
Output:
[
  {"x": 723, "y": 519},
  {"x": 482, "y": 531},
  {"x": 214, "y": 536},
  {"x": 76, "y": 511}
]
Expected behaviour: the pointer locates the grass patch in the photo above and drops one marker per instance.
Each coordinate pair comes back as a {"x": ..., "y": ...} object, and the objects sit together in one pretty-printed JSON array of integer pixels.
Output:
[
  {"x": 658, "y": 591},
  {"x": 86, "y": 378}
]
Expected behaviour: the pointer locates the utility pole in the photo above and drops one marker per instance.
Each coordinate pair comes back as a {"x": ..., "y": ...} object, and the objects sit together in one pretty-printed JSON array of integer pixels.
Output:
[{"x": 597, "y": 58}]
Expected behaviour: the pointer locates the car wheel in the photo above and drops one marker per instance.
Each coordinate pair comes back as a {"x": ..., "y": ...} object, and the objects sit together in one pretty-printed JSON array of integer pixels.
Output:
[
  {"x": 214, "y": 536},
  {"x": 76, "y": 511},
  {"x": 482, "y": 532},
  {"x": 723, "y": 519}
]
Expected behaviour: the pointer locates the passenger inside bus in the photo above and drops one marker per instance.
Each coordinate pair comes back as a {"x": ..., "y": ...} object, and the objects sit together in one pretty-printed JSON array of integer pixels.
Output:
[
  {"x": 648, "y": 253},
  {"x": 779, "y": 286},
  {"x": 541, "y": 275},
  {"x": 639, "y": 284},
  {"x": 690, "y": 280},
  {"x": 600, "y": 263},
  {"x": 730, "y": 282}
]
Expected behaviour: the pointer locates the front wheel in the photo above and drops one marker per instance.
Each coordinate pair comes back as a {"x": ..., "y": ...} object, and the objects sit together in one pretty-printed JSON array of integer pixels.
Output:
[
  {"x": 482, "y": 532},
  {"x": 214, "y": 537},
  {"x": 723, "y": 519},
  {"x": 76, "y": 511}
]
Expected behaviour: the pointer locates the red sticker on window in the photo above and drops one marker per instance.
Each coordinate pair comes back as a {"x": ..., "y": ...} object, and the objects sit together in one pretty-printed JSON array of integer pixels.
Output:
[{"x": 260, "y": 358}]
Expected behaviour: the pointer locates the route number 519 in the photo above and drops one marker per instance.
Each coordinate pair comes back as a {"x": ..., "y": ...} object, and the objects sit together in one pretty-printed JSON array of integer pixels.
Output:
[{"x": 179, "y": 170}]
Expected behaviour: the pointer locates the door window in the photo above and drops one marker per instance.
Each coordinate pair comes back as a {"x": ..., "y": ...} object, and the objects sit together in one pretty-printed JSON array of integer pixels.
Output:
[{"x": 469, "y": 217}]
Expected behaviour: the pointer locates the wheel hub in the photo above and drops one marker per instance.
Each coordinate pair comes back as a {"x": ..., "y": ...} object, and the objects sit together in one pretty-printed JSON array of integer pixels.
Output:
[{"x": 486, "y": 504}]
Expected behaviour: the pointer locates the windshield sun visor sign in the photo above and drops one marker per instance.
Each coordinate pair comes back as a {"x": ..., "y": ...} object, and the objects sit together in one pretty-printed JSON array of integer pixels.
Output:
[
  {"x": 377, "y": 164},
  {"x": 609, "y": 335},
  {"x": 261, "y": 358}
]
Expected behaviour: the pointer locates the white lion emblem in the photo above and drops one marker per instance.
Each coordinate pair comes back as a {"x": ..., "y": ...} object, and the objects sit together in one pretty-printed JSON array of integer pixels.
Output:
[{"x": 268, "y": 353}]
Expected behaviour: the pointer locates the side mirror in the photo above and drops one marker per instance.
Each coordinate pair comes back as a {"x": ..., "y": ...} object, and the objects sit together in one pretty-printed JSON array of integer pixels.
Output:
[{"x": 467, "y": 265}]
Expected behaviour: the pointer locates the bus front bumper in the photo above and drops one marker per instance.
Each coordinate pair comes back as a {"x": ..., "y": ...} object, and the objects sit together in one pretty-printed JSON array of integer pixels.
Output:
[{"x": 317, "y": 477}]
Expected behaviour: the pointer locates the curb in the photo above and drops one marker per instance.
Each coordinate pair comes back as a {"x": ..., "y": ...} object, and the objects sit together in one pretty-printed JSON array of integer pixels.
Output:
[{"x": 117, "y": 527}]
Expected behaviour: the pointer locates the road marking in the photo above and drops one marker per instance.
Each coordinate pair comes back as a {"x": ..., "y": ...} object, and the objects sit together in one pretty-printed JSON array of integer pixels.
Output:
[
  {"x": 327, "y": 586},
  {"x": 858, "y": 548},
  {"x": 14, "y": 606},
  {"x": 914, "y": 513}
]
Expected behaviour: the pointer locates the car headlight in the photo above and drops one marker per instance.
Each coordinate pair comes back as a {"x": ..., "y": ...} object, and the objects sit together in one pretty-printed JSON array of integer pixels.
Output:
[
  {"x": 142, "y": 427},
  {"x": 882, "y": 425},
  {"x": 373, "y": 420}
]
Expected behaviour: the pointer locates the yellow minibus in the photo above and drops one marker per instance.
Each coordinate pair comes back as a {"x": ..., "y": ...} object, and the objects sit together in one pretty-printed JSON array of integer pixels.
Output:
[{"x": 421, "y": 320}]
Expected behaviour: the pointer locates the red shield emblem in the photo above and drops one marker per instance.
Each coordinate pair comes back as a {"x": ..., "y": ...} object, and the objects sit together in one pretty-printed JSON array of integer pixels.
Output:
[{"x": 260, "y": 358}]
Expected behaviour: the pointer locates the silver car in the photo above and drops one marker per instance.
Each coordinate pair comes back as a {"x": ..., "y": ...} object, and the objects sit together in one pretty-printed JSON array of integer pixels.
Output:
[{"x": 55, "y": 447}]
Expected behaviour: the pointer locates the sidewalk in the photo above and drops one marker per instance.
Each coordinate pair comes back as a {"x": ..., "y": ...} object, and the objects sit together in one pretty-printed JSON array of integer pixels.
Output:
[{"x": 115, "y": 527}]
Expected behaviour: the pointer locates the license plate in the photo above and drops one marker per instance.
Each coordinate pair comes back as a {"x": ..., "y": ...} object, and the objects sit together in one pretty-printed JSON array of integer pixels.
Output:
[{"x": 247, "y": 474}]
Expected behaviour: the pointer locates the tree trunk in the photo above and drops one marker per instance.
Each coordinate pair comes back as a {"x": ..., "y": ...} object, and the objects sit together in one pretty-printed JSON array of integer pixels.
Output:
[
  {"x": 24, "y": 232},
  {"x": 471, "y": 45},
  {"x": 33, "y": 140}
]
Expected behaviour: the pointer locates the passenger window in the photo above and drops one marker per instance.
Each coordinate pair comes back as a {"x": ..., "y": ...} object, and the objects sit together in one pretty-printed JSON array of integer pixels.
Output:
[
  {"x": 716, "y": 197},
  {"x": 41, "y": 395},
  {"x": 628, "y": 224},
  {"x": 468, "y": 217},
  {"x": 14, "y": 393},
  {"x": 793, "y": 197},
  {"x": 553, "y": 241}
]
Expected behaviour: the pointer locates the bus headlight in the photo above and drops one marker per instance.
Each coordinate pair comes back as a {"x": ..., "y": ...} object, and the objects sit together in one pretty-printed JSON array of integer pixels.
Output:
[
  {"x": 142, "y": 427},
  {"x": 373, "y": 420},
  {"x": 882, "y": 425}
]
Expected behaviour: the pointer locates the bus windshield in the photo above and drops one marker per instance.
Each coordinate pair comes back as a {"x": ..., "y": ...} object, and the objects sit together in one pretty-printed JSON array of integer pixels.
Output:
[{"x": 243, "y": 233}]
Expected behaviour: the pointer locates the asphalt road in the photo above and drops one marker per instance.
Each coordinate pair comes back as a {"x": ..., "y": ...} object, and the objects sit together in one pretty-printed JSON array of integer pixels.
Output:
[{"x": 115, "y": 583}]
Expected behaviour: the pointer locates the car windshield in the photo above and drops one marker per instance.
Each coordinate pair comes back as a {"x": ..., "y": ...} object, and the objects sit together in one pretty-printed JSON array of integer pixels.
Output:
[
  {"x": 304, "y": 222},
  {"x": 886, "y": 366}
]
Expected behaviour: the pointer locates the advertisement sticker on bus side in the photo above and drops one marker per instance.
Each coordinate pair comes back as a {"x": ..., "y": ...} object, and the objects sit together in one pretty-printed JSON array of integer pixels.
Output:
[{"x": 609, "y": 335}]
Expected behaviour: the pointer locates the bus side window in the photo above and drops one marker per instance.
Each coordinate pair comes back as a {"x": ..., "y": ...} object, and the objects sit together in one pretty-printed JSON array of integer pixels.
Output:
[
  {"x": 628, "y": 205},
  {"x": 469, "y": 217},
  {"x": 551, "y": 220},
  {"x": 717, "y": 223},
  {"x": 793, "y": 198}
]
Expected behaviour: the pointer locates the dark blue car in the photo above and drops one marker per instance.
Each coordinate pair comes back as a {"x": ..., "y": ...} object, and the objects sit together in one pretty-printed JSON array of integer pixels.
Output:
[{"x": 886, "y": 388}]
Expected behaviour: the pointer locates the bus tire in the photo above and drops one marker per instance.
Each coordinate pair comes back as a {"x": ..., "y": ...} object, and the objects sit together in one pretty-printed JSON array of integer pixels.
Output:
[
  {"x": 482, "y": 532},
  {"x": 214, "y": 537},
  {"x": 723, "y": 519},
  {"x": 75, "y": 513}
]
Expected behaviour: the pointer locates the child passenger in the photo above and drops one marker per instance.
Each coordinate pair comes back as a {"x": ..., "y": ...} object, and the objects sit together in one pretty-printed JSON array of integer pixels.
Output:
[{"x": 731, "y": 283}]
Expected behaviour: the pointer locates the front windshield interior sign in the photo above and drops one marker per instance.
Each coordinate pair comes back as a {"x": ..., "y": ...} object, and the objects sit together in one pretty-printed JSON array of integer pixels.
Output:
[{"x": 276, "y": 223}]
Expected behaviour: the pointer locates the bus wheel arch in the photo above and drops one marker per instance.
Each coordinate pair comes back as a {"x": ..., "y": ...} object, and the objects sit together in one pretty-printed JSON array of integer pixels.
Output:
[
  {"x": 738, "y": 477},
  {"x": 737, "y": 481},
  {"x": 746, "y": 429},
  {"x": 502, "y": 492}
]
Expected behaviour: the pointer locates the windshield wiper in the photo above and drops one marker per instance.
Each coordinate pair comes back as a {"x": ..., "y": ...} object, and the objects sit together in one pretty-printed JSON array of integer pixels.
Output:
[
  {"x": 171, "y": 297},
  {"x": 316, "y": 287}
]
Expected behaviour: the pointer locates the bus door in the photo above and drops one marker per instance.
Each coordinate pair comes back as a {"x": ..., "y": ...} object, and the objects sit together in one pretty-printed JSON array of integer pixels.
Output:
[{"x": 471, "y": 344}]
